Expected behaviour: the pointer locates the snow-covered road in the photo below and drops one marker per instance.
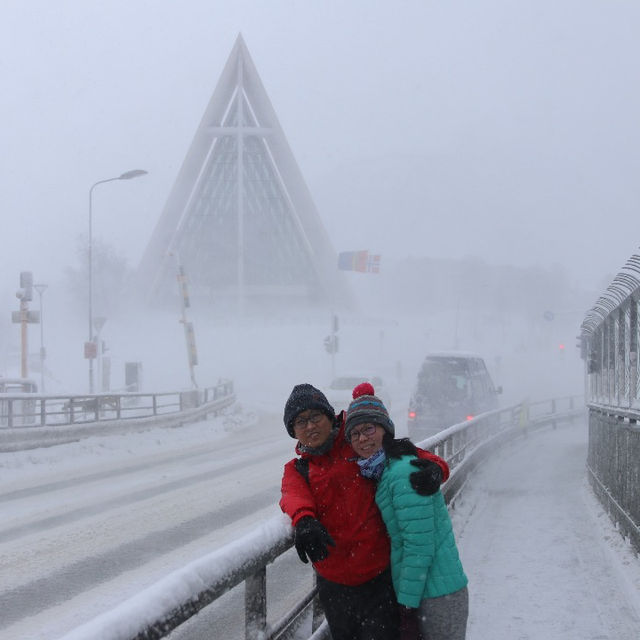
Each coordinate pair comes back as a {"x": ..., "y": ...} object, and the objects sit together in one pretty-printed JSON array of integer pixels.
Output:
[{"x": 87, "y": 525}]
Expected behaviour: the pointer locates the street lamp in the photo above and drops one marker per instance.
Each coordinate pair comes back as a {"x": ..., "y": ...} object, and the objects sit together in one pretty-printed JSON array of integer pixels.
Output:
[
  {"x": 135, "y": 173},
  {"x": 41, "y": 288},
  {"x": 98, "y": 323}
]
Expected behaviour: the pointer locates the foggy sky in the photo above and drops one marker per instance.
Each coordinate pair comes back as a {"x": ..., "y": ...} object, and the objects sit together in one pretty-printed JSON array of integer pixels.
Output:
[{"x": 498, "y": 129}]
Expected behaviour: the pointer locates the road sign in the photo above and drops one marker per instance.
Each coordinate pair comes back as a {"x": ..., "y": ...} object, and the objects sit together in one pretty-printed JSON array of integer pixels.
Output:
[
  {"x": 32, "y": 317},
  {"x": 90, "y": 350}
]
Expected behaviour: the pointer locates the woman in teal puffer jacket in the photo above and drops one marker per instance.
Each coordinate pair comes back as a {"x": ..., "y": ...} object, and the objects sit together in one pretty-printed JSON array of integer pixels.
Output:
[{"x": 428, "y": 577}]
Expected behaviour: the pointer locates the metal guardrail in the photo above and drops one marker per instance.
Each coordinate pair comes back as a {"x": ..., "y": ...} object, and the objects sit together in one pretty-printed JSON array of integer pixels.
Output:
[
  {"x": 28, "y": 420},
  {"x": 613, "y": 464},
  {"x": 148, "y": 616},
  {"x": 610, "y": 341},
  {"x": 28, "y": 410}
]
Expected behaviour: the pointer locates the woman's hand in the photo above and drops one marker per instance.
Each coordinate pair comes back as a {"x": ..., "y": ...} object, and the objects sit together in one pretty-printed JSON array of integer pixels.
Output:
[{"x": 428, "y": 480}]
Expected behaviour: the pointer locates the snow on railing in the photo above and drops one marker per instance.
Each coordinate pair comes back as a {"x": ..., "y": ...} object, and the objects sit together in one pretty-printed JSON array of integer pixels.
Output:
[{"x": 163, "y": 607}]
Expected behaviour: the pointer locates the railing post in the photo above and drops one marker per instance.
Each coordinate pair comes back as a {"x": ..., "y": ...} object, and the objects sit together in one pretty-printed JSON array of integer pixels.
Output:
[
  {"x": 154, "y": 402},
  {"x": 255, "y": 605},
  {"x": 553, "y": 412},
  {"x": 317, "y": 613},
  {"x": 43, "y": 412},
  {"x": 10, "y": 412}
]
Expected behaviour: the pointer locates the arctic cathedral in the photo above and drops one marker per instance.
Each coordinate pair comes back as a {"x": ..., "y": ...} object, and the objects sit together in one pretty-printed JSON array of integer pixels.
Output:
[{"x": 240, "y": 222}]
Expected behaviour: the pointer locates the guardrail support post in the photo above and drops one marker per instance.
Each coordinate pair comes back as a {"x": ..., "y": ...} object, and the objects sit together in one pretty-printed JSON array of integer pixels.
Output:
[
  {"x": 317, "y": 613},
  {"x": 43, "y": 412},
  {"x": 255, "y": 605}
]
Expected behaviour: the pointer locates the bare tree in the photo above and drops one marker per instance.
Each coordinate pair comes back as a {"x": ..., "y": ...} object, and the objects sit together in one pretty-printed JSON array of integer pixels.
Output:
[{"x": 110, "y": 274}]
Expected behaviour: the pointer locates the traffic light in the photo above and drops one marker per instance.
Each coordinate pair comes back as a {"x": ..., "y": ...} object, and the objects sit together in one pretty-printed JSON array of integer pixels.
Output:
[
  {"x": 182, "y": 283},
  {"x": 26, "y": 286},
  {"x": 331, "y": 343}
]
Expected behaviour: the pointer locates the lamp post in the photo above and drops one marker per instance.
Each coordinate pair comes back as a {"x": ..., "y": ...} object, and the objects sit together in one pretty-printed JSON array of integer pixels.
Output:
[
  {"x": 90, "y": 352},
  {"x": 41, "y": 288},
  {"x": 98, "y": 323}
]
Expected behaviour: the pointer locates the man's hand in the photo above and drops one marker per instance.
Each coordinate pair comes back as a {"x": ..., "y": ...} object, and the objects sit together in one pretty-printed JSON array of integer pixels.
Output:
[
  {"x": 428, "y": 480},
  {"x": 311, "y": 539}
]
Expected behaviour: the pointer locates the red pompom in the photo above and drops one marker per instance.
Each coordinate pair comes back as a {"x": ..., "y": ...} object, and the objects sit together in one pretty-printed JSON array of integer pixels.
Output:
[{"x": 363, "y": 389}]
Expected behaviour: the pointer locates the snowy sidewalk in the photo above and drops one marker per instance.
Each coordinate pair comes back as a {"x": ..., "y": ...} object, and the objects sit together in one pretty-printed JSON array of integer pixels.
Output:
[{"x": 543, "y": 561}]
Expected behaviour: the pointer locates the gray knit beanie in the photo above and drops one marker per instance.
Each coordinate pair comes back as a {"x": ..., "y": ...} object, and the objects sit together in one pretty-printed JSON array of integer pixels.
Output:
[{"x": 366, "y": 407}]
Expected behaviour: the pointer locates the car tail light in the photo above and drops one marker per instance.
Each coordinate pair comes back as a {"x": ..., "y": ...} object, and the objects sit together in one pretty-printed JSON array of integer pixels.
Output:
[
  {"x": 469, "y": 417},
  {"x": 412, "y": 415}
]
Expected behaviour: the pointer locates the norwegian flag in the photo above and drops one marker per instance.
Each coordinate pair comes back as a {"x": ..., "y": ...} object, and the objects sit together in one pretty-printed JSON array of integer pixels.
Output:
[{"x": 359, "y": 261}]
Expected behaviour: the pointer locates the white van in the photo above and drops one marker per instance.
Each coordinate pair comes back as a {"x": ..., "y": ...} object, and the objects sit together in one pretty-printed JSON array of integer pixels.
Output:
[{"x": 339, "y": 392}]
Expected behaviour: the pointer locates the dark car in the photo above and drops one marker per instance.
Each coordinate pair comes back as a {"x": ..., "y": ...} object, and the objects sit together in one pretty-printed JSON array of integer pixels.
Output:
[{"x": 452, "y": 387}]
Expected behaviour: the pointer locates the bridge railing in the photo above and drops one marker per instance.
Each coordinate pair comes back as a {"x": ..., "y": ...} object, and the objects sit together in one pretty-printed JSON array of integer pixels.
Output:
[
  {"x": 613, "y": 464},
  {"x": 162, "y": 608},
  {"x": 609, "y": 338},
  {"x": 24, "y": 410},
  {"x": 51, "y": 419}
]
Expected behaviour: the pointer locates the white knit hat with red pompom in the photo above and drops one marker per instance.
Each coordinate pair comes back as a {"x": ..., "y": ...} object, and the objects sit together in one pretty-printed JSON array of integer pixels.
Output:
[{"x": 367, "y": 407}]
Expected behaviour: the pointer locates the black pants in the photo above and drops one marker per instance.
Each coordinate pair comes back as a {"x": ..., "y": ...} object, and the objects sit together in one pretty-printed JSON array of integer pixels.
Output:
[{"x": 366, "y": 612}]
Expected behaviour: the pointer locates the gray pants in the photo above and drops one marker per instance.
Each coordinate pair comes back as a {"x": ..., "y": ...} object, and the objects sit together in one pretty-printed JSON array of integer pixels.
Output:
[{"x": 445, "y": 618}]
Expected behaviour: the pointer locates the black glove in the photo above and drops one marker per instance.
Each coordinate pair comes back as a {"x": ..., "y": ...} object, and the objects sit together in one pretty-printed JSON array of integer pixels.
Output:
[
  {"x": 428, "y": 480},
  {"x": 311, "y": 539}
]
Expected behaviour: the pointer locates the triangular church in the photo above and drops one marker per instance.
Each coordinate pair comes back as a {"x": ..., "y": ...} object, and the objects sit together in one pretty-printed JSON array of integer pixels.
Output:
[{"x": 240, "y": 219}]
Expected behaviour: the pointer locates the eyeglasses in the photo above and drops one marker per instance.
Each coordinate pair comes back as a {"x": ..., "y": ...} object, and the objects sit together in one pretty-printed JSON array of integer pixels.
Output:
[
  {"x": 314, "y": 418},
  {"x": 367, "y": 430}
]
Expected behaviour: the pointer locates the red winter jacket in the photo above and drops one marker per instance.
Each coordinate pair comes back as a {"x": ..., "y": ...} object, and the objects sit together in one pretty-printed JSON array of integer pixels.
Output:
[{"x": 344, "y": 502}]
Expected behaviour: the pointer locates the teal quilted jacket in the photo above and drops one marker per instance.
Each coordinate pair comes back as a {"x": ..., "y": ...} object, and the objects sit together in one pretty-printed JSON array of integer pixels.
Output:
[{"x": 424, "y": 557}]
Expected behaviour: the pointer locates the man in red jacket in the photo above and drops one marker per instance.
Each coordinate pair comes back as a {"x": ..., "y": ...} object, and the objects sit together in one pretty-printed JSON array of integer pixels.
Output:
[{"x": 337, "y": 523}]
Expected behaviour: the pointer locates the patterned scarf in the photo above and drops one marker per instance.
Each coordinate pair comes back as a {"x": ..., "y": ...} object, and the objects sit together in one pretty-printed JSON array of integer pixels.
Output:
[{"x": 373, "y": 466}]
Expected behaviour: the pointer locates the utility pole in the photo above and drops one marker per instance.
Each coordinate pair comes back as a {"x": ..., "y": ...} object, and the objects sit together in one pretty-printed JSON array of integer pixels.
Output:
[
  {"x": 41, "y": 288},
  {"x": 189, "y": 334},
  {"x": 331, "y": 343},
  {"x": 24, "y": 317}
]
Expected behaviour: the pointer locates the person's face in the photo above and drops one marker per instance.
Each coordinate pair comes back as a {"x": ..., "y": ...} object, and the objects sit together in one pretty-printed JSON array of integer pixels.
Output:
[
  {"x": 366, "y": 439},
  {"x": 312, "y": 428}
]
